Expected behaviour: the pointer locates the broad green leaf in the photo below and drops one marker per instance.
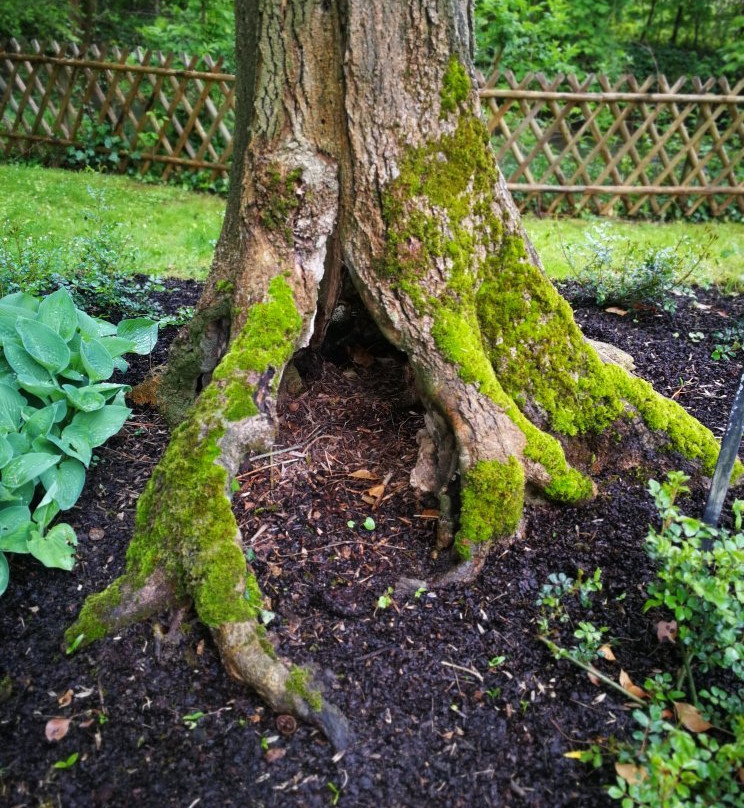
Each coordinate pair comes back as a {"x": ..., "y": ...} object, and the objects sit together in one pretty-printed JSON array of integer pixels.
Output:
[
  {"x": 71, "y": 373},
  {"x": 121, "y": 364},
  {"x": 69, "y": 478},
  {"x": 92, "y": 327},
  {"x": 142, "y": 331},
  {"x": 18, "y": 496},
  {"x": 43, "y": 419},
  {"x": 58, "y": 311},
  {"x": 109, "y": 389},
  {"x": 12, "y": 516},
  {"x": 83, "y": 398},
  {"x": 96, "y": 360},
  {"x": 19, "y": 442},
  {"x": 22, "y": 301},
  {"x": 23, "y": 364},
  {"x": 96, "y": 427},
  {"x": 7, "y": 327},
  {"x": 56, "y": 549},
  {"x": 77, "y": 446},
  {"x": 6, "y": 451},
  {"x": 45, "y": 513},
  {"x": 40, "y": 389},
  {"x": 25, "y": 468},
  {"x": 4, "y": 572},
  {"x": 43, "y": 344},
  {"x": 15, "y": 524},
  {"x": 11, "y": 404},
  {"x": 116, "y": 346},
  {"x": 16, "y": 541}
]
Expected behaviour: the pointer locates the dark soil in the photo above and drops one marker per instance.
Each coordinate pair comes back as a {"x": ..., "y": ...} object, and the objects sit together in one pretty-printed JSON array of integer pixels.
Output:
[{"x": 435, "y": 724}]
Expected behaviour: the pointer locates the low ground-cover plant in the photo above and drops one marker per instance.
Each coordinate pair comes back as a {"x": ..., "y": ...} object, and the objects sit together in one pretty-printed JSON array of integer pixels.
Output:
[
  {"x": 56, "y": 406},
  {"x": 93, "y": 266},
  {"x": 688, "y": 749},
  {"x": 612, "y": 271}
]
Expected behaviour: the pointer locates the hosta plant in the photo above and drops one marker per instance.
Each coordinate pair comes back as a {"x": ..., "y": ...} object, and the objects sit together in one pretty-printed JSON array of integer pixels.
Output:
[{"x": 56, "y": 406}]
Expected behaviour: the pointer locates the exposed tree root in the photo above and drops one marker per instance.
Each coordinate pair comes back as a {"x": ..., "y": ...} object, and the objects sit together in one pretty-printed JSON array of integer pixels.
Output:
[{"x": 286, "y": 690}]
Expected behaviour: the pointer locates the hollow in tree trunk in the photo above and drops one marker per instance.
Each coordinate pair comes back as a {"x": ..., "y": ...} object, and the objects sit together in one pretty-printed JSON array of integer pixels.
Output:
[{"x": 359, "y": 146}]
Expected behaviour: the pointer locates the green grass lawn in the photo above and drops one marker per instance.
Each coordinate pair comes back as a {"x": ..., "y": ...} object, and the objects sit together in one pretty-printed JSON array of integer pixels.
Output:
[
  {"x": 173, "y": 231},
  {"x": 724, "y": 265}
]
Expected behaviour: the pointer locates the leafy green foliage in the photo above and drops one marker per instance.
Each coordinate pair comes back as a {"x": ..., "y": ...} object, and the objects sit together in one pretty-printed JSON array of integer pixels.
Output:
[
  {"x": 729, "y": 341},
  {"x": 56, "y": 406},
  {"x": 612, "y": 271},
  {"x": 674, "y": 37},
  {"x": 702, "y": 588},
  {"x": 98, "y": 148},
  {"x": 688, "y": 749},
  {"x": 92, "y": 266}
]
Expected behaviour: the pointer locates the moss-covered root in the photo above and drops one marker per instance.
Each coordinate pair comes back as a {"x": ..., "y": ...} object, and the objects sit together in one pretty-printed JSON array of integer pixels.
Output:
[
  {"x": 249, "y": 658},
  {"x": 120, "y": 605}
]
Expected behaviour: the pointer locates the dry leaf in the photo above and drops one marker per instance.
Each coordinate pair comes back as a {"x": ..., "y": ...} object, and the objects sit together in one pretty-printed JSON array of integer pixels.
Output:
[
  {"x": 96, "y": 533},
  {"x": 666, "y": 630},
  {"x": 363, "y": 474},
  {"x": 606, "y": 652},
  {"x": 627, "y": 684},
  {"x": 200, "y": 648},
  {"x": 275, "y": 754},
  {"x": 615, "y": 310},
  {"x": 375, "y": 494},
  {"x": 690, "y": 717},
  {"x": 593, "y": 679},
  {"x": 428, "y": 513},
  {"x": 631, "y": 773},
  {"x": 65, "y": 699},
  {"x": 56, "y": 728}
]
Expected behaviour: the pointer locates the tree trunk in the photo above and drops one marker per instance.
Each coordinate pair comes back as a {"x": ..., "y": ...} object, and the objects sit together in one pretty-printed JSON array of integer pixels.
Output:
[{"x": 359, "y": 144}]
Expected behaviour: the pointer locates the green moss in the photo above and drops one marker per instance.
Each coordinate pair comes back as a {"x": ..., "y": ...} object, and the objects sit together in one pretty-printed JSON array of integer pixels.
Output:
[
  {"x": 268, "y": 337},
  {"x": 298, "y": 683},
  {"x": 455, "y": 176},
  {"x": 224, "y": 287},
  {"x": 455, "y": 86},
  {"x": 492, "y": 500},
  {"x": 279, "y": 199},
  {"x": 91, "y": 620},
  {"x": 686, "y": 435},
  {"x": 184, "y": 521}
]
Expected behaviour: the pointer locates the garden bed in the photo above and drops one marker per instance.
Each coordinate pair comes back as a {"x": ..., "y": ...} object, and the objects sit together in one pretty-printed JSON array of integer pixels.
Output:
[{"x": 452, "y": 699}]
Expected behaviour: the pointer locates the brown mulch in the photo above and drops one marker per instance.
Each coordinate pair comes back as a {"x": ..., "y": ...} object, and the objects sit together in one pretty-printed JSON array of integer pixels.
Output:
[{"x": 434, "y": 722}]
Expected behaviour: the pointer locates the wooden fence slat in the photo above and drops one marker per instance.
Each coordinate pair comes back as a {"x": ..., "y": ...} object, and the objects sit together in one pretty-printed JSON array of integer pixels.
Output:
[{"x": 561, "y": 142}]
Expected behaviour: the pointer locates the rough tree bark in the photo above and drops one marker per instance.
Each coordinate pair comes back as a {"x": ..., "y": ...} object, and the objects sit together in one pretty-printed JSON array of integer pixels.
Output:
[{"x": 359, "y": 145}]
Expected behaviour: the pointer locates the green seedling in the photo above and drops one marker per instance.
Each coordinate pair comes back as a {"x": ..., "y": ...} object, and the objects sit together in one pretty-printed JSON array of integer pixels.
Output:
[
  {"x": 385, "y": 601},
  {"x": 192, "y": 719},
  {"x": 68, "y": 763}
]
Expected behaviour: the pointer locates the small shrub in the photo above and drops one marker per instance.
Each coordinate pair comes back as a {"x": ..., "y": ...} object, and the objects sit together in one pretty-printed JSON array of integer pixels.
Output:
[
  {"x": 612, "y": 271},
  {"x": 92, "y": 267},
  {"x": 696, "y": 759},
  {"x": 98, "y": 148},
  {"x": 56, "y": 406},
  {"x": 729, "y": 341}
]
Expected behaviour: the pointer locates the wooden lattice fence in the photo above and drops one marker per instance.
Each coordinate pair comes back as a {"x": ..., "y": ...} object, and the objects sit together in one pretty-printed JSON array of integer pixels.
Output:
[
  {"x": 138, "y": 103},
  {"x": 610, "y": 146},
  {"x": 649, "y": 145}
]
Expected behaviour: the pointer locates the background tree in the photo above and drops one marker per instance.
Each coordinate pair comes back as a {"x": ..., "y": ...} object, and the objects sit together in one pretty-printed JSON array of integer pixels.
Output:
[{"x": 360, "y": 150}]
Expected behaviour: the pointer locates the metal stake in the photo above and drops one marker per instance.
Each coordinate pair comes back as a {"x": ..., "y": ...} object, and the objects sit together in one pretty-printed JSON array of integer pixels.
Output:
[{"x": 725, "y": 464}]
